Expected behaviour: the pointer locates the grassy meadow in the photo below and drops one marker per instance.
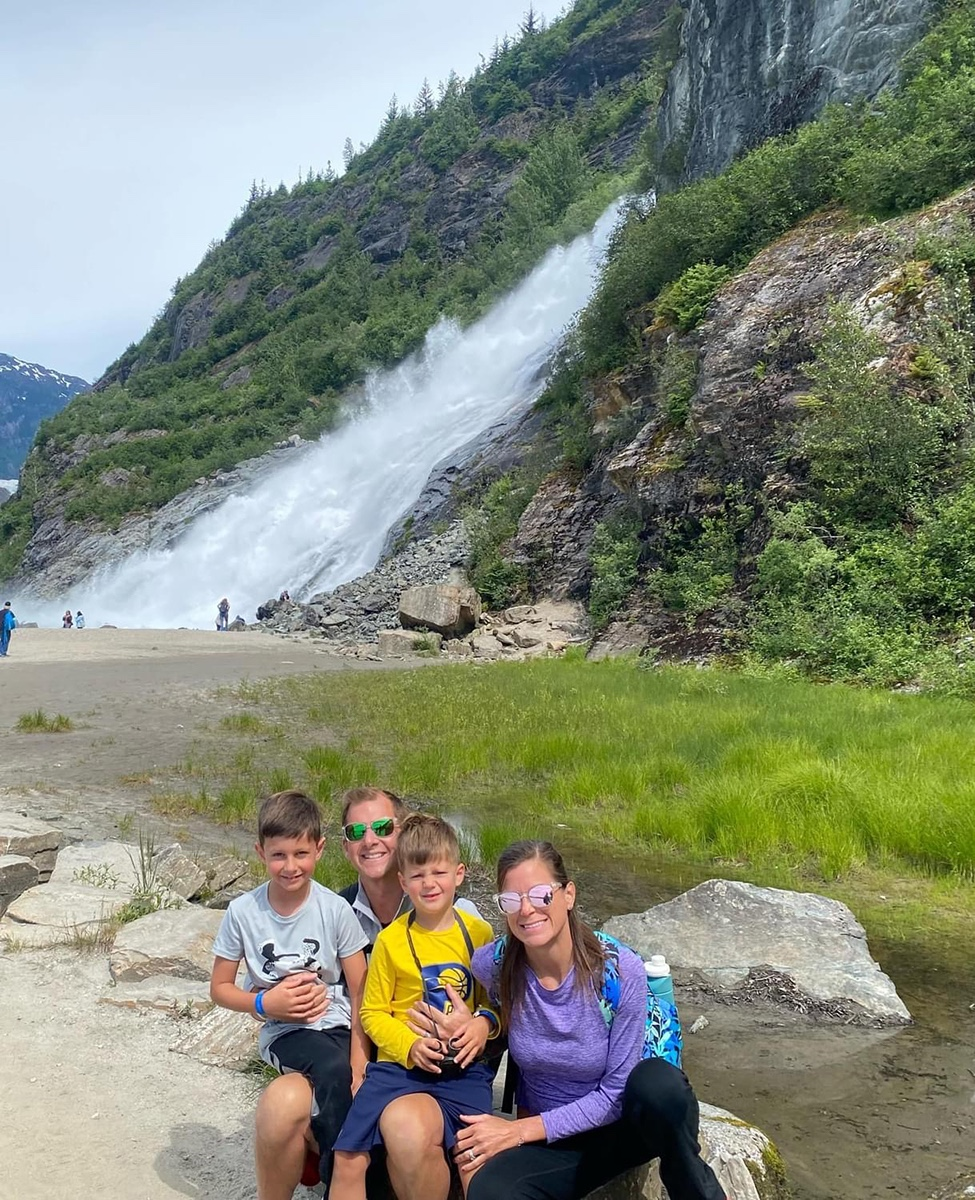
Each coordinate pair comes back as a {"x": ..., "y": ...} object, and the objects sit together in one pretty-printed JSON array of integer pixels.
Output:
[{"x": 861, "y": 794}]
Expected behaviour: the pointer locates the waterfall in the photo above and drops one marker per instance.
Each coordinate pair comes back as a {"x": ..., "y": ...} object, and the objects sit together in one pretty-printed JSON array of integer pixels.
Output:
[{"x": 321, "y": 518}]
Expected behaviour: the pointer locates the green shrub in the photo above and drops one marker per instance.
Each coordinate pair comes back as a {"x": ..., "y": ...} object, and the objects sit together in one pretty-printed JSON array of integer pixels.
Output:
[
  {"x": 614, "y": 555},
  {"x": 685, "y": 301}
]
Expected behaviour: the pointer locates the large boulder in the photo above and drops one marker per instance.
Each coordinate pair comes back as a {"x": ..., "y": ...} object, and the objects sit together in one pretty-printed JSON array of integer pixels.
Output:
[
  {"x": 32, "y": 839},
  {"x": 54, "y": 913},
  {"x": 803, "y": 949},
  {"x": 17, "y": 874},
  {"x": 448, "y": 608},
  {"x": 167, "y": 942}
]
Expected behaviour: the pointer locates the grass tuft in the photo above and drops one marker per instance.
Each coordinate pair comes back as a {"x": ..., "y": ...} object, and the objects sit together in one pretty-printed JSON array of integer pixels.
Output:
[{"x": 38, "y": 721}]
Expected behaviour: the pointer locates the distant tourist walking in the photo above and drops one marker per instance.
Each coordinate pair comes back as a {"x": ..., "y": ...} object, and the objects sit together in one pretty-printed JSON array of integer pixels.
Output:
[
  {"x": 67, "y": 620},
  {"x": 8, "y": 623},
  {"x": 223, "y": 614},
  {"x": 79, "y": 620}
]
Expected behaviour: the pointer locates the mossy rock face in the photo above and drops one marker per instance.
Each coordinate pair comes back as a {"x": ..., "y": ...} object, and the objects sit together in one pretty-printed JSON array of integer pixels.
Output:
[{"x": 747, "y": 1164}]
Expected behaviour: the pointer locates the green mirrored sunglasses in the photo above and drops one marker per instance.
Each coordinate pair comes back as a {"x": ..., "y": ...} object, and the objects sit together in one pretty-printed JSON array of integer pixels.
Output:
[{"x": 357, "y": 830}]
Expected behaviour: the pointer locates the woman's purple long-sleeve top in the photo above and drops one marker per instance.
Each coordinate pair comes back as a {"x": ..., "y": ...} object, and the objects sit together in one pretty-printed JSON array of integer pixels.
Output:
[{"x": 573, "y": 1068}]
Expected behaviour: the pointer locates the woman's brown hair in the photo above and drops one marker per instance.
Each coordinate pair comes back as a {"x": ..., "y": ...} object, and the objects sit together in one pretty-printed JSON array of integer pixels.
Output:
[{"x": 588, "y": 956}]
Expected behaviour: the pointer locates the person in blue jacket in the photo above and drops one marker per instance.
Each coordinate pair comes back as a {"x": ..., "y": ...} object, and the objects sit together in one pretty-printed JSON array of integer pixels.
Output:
[{"x": 8, "y": 623}]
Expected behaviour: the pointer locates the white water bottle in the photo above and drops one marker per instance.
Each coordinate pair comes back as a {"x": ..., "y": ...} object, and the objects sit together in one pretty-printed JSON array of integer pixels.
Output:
[{"x": 659, "y": 978}]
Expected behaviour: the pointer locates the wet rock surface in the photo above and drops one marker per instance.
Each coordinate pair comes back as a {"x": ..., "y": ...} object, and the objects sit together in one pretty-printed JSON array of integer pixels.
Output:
[{"x": 751, "y": 69}]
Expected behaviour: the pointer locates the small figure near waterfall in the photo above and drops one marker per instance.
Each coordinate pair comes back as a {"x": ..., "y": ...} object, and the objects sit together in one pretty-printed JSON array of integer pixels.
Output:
[
  {"x": 67, "y": 621},
  {"x": 223, "y": 614},
  {"x": 79, "y": 620},
  {"x": 8, "y": 623},
  {"x": 285, "y": 597}
]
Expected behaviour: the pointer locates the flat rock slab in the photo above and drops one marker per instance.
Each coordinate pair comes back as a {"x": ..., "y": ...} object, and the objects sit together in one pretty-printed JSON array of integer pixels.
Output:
[
  {"x": 164, "y": 993},
  {"x": 220, "y": 1039},
  {"x": 727, "y": 931},
  {"x": 32, "y": 839},
  {"x": 54, "y": 912},
  {"x": 17, "y": 874},
  {"x": 169, "y": 942},
  {"x": 107, "y": 865}
]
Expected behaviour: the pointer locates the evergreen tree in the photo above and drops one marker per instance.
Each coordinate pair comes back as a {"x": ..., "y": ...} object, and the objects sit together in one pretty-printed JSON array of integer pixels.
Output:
[
  {"x": 531, "y": 23},
  {"x": 424, "y": 105},
  {"x": 348, "y": 153}
]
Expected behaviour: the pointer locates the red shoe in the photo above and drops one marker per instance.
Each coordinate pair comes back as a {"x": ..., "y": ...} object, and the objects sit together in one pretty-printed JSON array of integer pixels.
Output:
[{"x": 309, "y": 1174}]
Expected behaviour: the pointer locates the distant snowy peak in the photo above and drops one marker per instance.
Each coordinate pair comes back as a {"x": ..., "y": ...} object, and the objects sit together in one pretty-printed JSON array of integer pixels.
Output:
[
  {"x": 67, "y": 385},
  {"x": 28, "y": 394}
]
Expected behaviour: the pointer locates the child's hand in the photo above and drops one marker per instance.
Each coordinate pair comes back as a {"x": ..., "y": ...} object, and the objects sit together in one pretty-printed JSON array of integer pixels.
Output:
[
  {"x": 300, "y": 999},
  {"x": 427, "y": 1054},
  {"x": 471, "y": 1040}
]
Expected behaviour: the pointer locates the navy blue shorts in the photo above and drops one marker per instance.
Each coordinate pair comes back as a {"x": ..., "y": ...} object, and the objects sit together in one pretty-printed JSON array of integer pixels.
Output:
[{"x": 468, "y": 1094}]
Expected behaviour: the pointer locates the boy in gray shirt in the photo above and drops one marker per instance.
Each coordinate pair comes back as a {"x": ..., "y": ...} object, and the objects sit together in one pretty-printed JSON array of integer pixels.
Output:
[{"x": 303, "y": 950}]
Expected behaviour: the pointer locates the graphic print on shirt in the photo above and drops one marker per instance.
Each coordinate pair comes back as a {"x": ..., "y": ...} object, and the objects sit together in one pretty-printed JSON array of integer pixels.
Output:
[
  {"x": 278, "y": 964},
  {"x": 436, "y": 978}
]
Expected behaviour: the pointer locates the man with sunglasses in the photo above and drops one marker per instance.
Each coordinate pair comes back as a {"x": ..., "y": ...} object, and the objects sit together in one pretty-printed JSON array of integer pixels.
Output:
[{"x": 370, "y": 828}]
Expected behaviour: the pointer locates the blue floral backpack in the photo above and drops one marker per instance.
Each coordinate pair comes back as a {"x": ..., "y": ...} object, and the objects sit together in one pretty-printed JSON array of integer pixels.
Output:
[{"x": 661, "y": 1036}]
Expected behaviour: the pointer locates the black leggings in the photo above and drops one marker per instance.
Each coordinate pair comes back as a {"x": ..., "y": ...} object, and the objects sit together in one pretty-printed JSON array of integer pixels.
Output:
[
  {"x": 660, "y": 1119},
  {"x": 322, "y": 1056}
]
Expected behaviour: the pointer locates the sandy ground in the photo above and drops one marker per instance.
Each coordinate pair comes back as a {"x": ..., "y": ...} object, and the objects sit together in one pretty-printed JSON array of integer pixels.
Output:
[
  {"x": 95, "y": 1105},
  {"x": 138, "y": 699},
  {"x": 92, "y": 1102}
]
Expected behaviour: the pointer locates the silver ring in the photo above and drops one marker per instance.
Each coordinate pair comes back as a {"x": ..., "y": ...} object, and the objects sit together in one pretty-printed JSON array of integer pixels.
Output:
[{"x": 472, "y": 1155}]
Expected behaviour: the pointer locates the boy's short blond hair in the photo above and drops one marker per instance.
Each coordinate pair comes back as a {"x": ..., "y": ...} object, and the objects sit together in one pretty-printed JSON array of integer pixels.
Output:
[
  {"x": 425, "y": 838},
  {"x": 289, "y": 814}
]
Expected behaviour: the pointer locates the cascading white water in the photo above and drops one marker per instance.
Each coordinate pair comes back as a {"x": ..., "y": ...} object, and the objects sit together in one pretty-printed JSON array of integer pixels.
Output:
[{"x": 322, "y": 518}]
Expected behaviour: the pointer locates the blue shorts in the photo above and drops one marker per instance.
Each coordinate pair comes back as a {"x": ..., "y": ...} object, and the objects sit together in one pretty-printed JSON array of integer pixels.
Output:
[{"x": 468, "y": 1094}]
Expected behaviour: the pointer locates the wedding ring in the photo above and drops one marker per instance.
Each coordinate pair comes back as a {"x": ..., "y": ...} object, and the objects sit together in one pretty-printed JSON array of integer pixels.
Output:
[{"x": 472, "y": 1155}]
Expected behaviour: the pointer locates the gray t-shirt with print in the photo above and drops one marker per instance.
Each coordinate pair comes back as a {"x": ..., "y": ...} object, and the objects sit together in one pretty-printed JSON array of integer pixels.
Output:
[{"x": 273, "y": 946}]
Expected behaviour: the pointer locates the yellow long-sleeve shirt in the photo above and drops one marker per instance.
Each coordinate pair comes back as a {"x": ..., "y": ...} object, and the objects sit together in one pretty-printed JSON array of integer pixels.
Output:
[{"x": 393, "y": 984}]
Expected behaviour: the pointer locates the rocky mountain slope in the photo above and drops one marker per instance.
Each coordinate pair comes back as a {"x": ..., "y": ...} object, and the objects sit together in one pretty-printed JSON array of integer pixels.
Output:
[
  {"x": 28, "y": 394},
  {"x": 454, "y": 200}
]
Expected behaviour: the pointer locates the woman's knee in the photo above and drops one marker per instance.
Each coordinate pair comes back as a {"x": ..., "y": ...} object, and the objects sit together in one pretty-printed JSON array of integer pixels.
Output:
[{"x": 659, "y": 1092}]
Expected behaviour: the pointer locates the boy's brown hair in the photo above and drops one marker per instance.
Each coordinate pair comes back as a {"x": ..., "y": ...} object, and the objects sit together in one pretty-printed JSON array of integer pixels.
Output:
[
  {"x": 425, "y": 838},
  {"x": 289, "y": 814}
]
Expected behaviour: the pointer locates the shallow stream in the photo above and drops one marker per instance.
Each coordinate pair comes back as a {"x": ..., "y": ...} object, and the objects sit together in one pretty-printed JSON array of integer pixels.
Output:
[{"x": 857, "y": 1114}]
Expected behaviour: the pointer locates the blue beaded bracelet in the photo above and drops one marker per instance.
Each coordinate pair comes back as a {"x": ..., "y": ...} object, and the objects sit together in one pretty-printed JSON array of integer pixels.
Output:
[{"x": 259, "y": 1004}]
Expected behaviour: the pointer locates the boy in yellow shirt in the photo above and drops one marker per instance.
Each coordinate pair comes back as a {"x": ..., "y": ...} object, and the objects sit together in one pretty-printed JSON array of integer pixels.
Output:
[{"x": 416, "y": 958}]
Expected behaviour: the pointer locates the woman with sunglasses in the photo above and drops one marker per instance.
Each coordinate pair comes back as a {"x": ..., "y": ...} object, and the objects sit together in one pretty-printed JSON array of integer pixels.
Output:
[{"x": 588, "y": 1107}]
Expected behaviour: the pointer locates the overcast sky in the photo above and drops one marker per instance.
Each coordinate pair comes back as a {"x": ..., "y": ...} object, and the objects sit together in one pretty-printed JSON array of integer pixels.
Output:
[{"x": 133, "y": 131}]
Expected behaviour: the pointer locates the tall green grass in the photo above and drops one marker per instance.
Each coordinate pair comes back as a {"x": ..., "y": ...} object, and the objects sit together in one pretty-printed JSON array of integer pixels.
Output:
[{"x": 762, "y": 769}]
